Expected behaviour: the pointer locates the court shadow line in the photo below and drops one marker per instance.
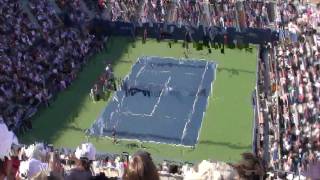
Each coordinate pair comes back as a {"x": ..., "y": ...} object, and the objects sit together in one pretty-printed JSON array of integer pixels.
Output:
[
  {"x": 234, "y": 71},
  {"x": 226, "y": 144}
]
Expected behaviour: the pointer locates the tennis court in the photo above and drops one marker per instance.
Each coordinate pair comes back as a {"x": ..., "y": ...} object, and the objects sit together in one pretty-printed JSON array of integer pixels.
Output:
[
  {"x": 226, "y": 128},
  {"x": 162, "y": 100}
]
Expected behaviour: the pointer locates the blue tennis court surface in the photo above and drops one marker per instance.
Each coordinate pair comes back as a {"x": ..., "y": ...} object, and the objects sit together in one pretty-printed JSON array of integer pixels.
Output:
[{"x": 162, "y": 100}]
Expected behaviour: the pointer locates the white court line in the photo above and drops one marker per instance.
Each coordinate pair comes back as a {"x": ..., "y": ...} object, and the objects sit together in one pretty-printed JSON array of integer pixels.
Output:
[
  {"x": 208, "y": 97},
  {"x": 164, "y": 71},
  {"x": 152, "y": 71},
  {"x": 139, "y": 72},
  {"x": 128, "y": 113},
  {"x": 135, "y": 114},
  {"x": 194, "y": 104},
  {"x": 120, "y": 105},
  {"x": 156, "y": 105},
  {"x": 191, "y": 74}
]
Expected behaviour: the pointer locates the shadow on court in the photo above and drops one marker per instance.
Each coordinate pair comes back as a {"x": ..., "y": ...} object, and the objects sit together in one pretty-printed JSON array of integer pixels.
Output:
[
  {"x": 226, "y": 144},
  {"x": 233, "y": 71}
]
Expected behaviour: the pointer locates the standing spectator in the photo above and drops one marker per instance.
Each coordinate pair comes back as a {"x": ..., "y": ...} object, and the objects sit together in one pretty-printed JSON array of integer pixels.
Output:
[{"x": 114, "y": 135}]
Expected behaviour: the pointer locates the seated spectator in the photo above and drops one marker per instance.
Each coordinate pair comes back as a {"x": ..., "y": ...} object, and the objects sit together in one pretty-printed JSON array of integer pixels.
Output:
[
  {"x": 35, "y": 151},
  {"x": 210, "y": 170},
  {"x": 33, "y": 169},
  {"x": 84, "y": 156},
  {"x": 141, "y": 166},
  {"x": 249, "y": 168},
  {"x": 11, "y": 164}
]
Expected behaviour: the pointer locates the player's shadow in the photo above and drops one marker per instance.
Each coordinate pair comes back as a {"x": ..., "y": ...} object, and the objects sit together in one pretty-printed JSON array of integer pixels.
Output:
[
  {"x": 234, "y": 71},
  {"x": 226, "y": 144},
  {"x": 75, "y": 128},
  {"x": 139, "y": 146},
  {"x": 132, "y": 146},
  {"x": 125, "y": 61}
]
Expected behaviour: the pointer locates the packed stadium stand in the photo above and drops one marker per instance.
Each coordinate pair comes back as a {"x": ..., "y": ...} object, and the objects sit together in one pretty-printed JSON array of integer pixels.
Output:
[{"x": 44, "y": 44}]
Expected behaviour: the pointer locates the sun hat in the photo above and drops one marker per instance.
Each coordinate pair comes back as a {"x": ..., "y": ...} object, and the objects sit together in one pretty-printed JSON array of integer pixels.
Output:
[
  {"x": 36, "y": 151},
  {"x": 31, "y": 168},
  {"x": 212, "y": 170},
  {"x": 86, "y": 150}
]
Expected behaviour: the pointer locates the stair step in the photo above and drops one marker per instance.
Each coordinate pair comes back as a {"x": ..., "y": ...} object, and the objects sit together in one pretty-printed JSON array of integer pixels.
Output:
[
  {"x": 86, "y": 10},
  {"x": 55, "y": 6},
  {"x": 26, "y": 9}
]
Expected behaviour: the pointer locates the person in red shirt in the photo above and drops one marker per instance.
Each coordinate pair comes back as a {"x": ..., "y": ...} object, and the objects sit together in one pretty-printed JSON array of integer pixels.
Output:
[
  {"x": 145, "y": 35},
  {"x": 225, "y": 39},
  {"x": 2, "y": 170},
  {"x": 101, "y": 4},
  {"x": 11, "y": 165}
]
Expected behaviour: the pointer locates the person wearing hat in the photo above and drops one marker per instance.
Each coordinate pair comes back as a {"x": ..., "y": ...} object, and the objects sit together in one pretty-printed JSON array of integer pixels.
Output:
[
  {"x": 33, "y": 169},
  {"x": 211, "y": 170},
  {"x": 38, "y": 163},
  {"x": 35, "y": 151},
  {"x": 249, "y": 167},
  {"x": 84, "y": 156}
]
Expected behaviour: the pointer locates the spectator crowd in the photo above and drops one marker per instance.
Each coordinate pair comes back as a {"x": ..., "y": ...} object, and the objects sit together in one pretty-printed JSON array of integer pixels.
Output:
[
  {"x": 240, "y": 14},
  {"x": 38, "y": 59},
  {"x": 42, "y": 161},
  {"x": 42, "y": 56},
  {"x": 289, "y": 124}
]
